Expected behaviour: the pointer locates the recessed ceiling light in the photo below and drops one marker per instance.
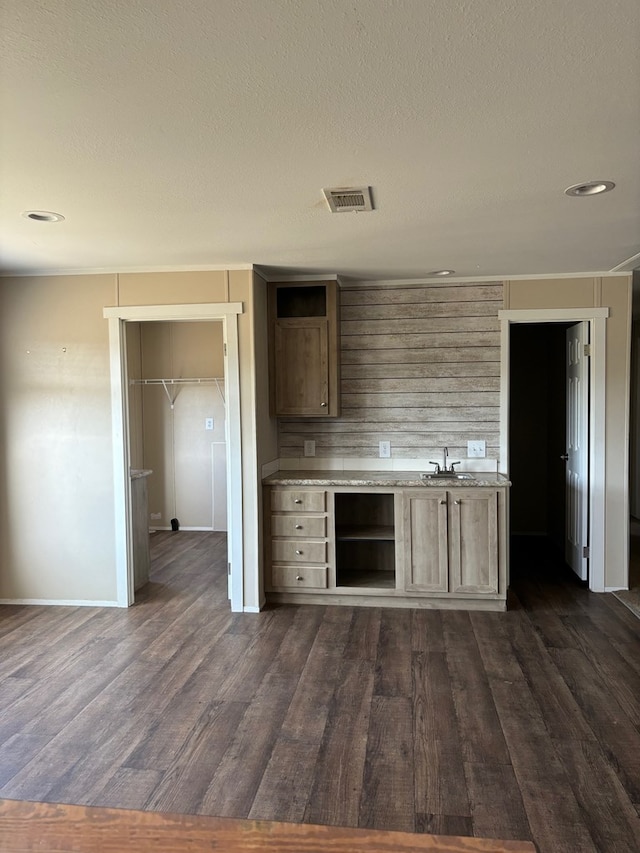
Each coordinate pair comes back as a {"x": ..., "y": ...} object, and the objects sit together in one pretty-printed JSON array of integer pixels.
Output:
[
  {"x": 441, "y": 272},
  {"x": 43, "y": 216},
  {"x": 590, "y": 188}
]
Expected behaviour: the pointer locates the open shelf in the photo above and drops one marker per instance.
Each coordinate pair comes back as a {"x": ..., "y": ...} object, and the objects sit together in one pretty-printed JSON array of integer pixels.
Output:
[{"x": 365, "y": 540}]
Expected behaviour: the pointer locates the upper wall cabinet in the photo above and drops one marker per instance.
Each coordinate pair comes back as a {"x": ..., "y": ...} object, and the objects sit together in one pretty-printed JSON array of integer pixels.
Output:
[{"x": 304, "y": 349}]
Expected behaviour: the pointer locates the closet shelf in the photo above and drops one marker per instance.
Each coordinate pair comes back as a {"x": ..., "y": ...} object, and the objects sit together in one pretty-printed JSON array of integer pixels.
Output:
[{"x": 207, "y": 380}]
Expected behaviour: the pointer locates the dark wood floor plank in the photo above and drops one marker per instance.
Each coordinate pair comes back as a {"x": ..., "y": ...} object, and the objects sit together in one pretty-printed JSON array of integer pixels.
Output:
[
  {"x": 288, "y": 778},
  {"x": 387, "y": 790},
  {"x": 426, "y": 631},
  {"x": 608, "y": 812},
  {"x": 393, "y": 667},
  {"x": 183, "y": 785},
  {"x": 364, "y": 634},
  {"x": 617, "y": 734},
  {"x": 439, "y": 780},
  {"x": 230, "y": 792},
  {"x": 478, "y": 724},
  {"x": 497, "y": 810},
  {"x": 615, "y": 673},
  {"x": 438, "y": 824},
  {"x": 339, "y": 770},
  {"x": 562, "y": 714},
  {"x": 126, "y": 787}
]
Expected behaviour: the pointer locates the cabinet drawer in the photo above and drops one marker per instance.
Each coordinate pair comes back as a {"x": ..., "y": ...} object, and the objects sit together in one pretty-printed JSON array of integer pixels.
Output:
[
  {"x": 297, "y": 501},
  {"x": 301, "y": 551},
  {"x": 299, "y": 576},
  {"x": 314, "y": 526}
]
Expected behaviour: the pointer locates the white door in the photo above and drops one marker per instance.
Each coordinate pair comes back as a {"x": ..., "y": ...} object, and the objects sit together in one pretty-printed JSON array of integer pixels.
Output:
[{"x": 577, "y": 455}]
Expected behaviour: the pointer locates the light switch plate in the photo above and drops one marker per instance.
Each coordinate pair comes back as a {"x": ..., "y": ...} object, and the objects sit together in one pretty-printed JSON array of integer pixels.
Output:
[
  {"x": 476, "y": 449},
  {"x": 385, "y": 449},
  {"x": 208, "y": 423},
  {"x": 309, "y": 448}
]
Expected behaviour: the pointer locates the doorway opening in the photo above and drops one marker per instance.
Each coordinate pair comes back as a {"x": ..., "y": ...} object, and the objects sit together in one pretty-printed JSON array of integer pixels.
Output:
[
  {"x": 542, "y": 501},
  {"x": 593, "y": 497},
  {"x": 177, "y": 435},
  {"x": 118, "y": 317}
]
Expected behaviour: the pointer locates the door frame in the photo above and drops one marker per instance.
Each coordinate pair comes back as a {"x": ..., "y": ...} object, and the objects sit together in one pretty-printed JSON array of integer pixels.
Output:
[
  {"x": 597, "y": 318},
  {"x": 227, "y": 313}
]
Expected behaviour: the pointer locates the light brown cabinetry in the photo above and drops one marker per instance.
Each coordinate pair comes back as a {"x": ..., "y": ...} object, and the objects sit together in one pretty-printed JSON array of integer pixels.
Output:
[
  {"x": 398, "y": 547},
  {"x": 296, "y": 539},
  {"x": 451, "y": 543},
  {"x": 304, "y": 349}
]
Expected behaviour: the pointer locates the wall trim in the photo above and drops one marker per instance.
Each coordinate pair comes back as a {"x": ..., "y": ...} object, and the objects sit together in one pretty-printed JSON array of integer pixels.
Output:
[
  {"x": 597, "y": 317},
  {"x": 348, "y": 284},
  {"x": 42, "y": 273},
  {"x": 38, "y": 602}
]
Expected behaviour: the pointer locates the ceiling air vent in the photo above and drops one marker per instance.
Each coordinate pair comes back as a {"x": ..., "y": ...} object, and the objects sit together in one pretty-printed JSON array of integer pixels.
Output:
[{"x": 348, "y": 199}]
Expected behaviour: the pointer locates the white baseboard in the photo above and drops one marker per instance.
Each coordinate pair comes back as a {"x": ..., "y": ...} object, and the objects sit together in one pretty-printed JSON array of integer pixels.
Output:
[
  {"x": 251, "y": 609},
  {"x": 59, "y": 602},
  {"x": 616, "y": 588},
  {"x": 156, "y": 528}
]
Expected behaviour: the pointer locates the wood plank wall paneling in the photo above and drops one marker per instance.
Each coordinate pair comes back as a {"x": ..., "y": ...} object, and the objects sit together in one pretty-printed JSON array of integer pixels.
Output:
[{"x": 420, "y": 368}]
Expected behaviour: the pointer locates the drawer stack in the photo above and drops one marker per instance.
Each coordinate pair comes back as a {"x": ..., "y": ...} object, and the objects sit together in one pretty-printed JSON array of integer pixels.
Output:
[{"x": 298, "y": 539}]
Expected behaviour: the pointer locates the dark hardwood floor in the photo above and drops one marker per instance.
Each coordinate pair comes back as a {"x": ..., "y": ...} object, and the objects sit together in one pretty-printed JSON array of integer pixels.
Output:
[{"x": 522, "y": 725}]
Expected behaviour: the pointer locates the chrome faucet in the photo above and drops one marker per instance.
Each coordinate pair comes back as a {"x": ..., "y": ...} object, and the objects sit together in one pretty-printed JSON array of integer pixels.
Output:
[{"x": 444, "y": 468}]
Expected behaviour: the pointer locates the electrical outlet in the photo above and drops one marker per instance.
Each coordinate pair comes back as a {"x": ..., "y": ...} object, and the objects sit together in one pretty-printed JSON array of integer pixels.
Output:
[
  {"x": 384, "y": 449},
  {"x": 208, "y": 423},
  {"x": 309, "y": 448},
  {"x": 477, "y": 449}
]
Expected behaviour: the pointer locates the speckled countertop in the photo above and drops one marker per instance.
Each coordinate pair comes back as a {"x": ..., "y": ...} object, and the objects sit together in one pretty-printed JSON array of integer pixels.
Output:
[{"x": 397, "y": 479}]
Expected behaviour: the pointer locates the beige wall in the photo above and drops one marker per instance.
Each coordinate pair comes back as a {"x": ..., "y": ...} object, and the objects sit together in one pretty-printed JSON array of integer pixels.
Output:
[
  {"x": 57, "y": 501},
  {"x": 614, "y": 293},
  {"x": 56, "y": 458}
]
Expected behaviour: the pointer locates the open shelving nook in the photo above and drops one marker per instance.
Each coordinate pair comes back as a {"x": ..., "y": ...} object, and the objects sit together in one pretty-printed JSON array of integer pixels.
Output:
[{"x": 365, "y": 540}]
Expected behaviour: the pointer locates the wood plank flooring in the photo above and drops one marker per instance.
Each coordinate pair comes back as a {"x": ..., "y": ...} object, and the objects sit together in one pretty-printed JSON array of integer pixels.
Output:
[{"x": 518, "y": 725}]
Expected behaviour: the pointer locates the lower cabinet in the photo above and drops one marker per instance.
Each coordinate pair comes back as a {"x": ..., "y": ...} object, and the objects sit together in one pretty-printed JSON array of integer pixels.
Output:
[
  {"x": 451, "y": 542},
  {"x": 411, "y": 547}
]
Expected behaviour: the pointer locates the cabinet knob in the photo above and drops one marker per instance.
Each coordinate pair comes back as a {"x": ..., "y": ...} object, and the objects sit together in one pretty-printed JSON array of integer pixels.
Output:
[
  {"x": 443, "y": 502},
  {"x": 298, "y": 527},
  {"x": 298, "y": 552},
  {"x": 323, "y": 405},
  {"x": 456, "y": 502},
  {"x": 297, "y": 501},
  {"x": 299, "y": 578}
]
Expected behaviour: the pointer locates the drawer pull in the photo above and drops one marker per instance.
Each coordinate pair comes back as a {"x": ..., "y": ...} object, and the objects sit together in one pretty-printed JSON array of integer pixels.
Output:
[
  {"x": 298, "y": 527},
  {"x": 323, "y": 405},
  {"x": 297, "y": 501},
  {"x": 298, "y": 552},
  {"x": 299, "y": 578}
]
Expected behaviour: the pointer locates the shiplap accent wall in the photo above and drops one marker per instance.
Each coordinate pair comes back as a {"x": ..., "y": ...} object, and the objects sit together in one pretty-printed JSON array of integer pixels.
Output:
[{"x": 420, "y": 368}]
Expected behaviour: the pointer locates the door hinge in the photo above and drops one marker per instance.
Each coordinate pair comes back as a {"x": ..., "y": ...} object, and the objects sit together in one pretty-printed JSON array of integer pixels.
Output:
[
  {"x": 228, "y": 568},
  {"x": 225, "y": 348},
  {"x": 587, "y": 350},
  {"x": 586, "y": 552}
]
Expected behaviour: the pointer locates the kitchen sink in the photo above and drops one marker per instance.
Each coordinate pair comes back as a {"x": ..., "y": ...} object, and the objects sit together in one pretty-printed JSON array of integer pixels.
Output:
[{"x": 447, "y": 475}]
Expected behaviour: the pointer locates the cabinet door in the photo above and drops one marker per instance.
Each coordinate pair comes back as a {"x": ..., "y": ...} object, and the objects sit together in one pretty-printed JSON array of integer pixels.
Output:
[
  {"x": 302, "y": 366},
  {"x": 473, "y": 541},
  {"x": 425, "y": 551}
]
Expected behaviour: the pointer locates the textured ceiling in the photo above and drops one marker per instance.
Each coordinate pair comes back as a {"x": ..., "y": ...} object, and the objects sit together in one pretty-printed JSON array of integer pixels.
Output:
[{"x": 201, "y": 133}]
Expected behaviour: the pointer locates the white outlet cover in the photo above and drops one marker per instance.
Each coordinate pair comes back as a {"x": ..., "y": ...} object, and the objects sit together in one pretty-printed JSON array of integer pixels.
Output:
[
  {"x": 208, "y": 423},
  {"x": 385, "y": 450}
]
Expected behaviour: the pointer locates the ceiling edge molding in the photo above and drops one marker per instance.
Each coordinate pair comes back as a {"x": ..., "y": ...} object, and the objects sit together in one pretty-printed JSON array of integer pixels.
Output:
[
  {"x": 629, "y": 265},
  {"x": 40, "y": 273}
]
